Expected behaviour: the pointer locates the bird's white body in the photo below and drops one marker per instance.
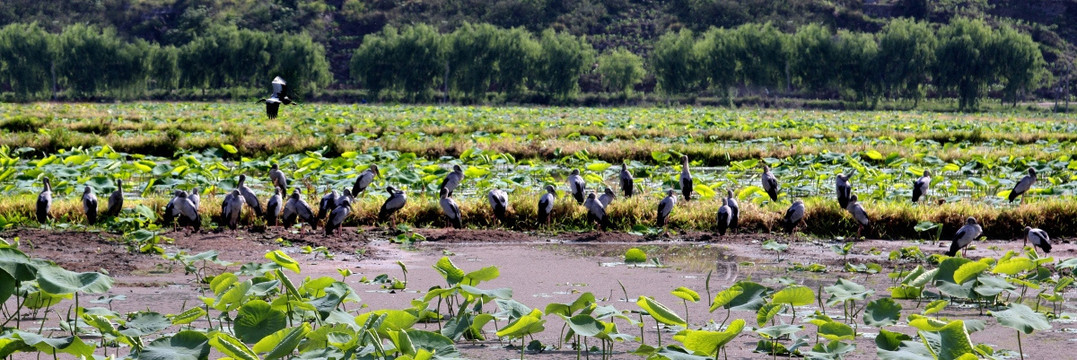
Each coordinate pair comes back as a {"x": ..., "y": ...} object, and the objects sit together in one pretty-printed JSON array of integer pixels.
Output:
[
  {"x": 607, "y": 197},
  {"x": 576, "y": 185}
]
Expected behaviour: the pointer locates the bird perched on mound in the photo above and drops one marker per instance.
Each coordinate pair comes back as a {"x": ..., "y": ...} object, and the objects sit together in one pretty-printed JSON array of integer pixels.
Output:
[
  {"x": 499, "y": 202},
  {"x": 295, "y": 208},
  {"x": 965, "y": 235},
  {"x": 1038, "y": 238},
  {"x": 89, "y": 205},
  {"x": 576, "y": 185},
  {"x": 770, "y": 183},
  {"x": 1022, "y": 186},
  {"x": 280, "y": 96},
  {"x": 394, "y": 203},
  {"x": 545, "y": 205},
  {"x": 921, "y": 186}
]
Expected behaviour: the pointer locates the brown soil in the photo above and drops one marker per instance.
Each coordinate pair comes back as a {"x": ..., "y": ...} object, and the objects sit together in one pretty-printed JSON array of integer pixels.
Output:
[{"x": 540, "y": 268}]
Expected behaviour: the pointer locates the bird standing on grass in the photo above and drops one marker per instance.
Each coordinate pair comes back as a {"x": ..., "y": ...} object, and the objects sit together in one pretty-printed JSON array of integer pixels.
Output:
[
  {"x": 449, "y": 207},
  {"x": 89, "y": 205},
  {"x": 44, "y": 201},
  {"x": 365, "y": 178},
  {"x": 115, "y": 201},
  {"x": 249, "y": 198},
  {"x": 295, "y": 208},
  {"x": 545, "y": 205},
  {"x": 921, "y": 186},
  {"x": 1038, "y": 238},
  {"x": 627, "y": 182},
  {"x": 278, "y": 179},
  {"x": 607, "y": 197},
  {"x": 280, "y": 96},
  {"x": 665, "y": 207},
  {"x": 231, "y": 209},
  {"x": 770, "y": 183},
  {"x": 576, "y": 185},
  {"x": 273, "y": 207},
  {"x": 453, "y": 179},
  {"x": 596, "y": 212},
  {"x": 725, "y": 215},
  {"x": 734, "y": 208},
  {"x": 394, "y": 203},
  {"x": 858, "y": 212},
  {"x": 686, "y": 179},
  {"x": 337, "y": 217},
  {"x": 1022, "y": 186},
  {"x": 965, "y": 235},
  {"x": 499, "y": 202},
  {"x": 793, "y": 216},
  {"x": 843, "y": 189}
]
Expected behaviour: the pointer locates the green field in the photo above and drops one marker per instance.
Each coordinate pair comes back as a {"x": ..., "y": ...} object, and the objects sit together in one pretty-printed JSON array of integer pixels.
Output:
[{"x": 156, "y": 147}]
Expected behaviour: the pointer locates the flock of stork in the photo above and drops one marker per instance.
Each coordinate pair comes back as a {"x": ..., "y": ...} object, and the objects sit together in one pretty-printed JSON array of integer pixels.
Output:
[{"x": 334, "y": 208}]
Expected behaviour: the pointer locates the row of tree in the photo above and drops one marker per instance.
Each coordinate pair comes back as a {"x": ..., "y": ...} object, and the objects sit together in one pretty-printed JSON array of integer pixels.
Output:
[{"x": 88, "y": 62}]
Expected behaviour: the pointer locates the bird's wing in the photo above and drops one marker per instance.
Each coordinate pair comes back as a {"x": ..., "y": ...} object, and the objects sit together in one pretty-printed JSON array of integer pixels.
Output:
[
  {"x": 546, "y": 202},
  {"x": 1023, "y": 185},
  {"x": 961, "y": 234},
  {"x": 664, "y": 207}
]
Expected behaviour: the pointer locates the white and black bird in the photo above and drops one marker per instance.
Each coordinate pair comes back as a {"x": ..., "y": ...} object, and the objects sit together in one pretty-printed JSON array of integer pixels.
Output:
[
  {"x": 274, "y": 207},
  {"x": 278, "y": 179},
  {"x": 365, "y": 179},
  {"x": 280, "y": 96},
  {"x": 499, "y": 202},
  {"x": 394, "y": 203},
  {"x": 186, "y": 211},
  {"x": 249, "y": 198},
  {"x": 843, "y": 189},
  {"x": 666, "y": 206},
  {"x": 734, "y": 208},
  {"x": 195, "y": 199},
  {"x": 327, "y": 204},
  {"x": 545, "y": 205},
  {"x": 89, "y": 205},
  {"x": 1038, "y": 238},
  {"x": 453, "y": 179},
  {"x": 115, "y": 200},
  {"x": 298, "y": 209},
  {"x": 628, "y": 185},
  {"x": 725, "y": 215},
  {"x": 337, "y": 216},
  {"x": 965, "y": 235},
  {"x": 44, "y": 201},
  {"x": 596, "y": 212},
  {"x": 451, "y": 210},
  {"x": 1022, "y": 186},
  {"x": 607, "y": 197},
  {"x": 686, "y": 179},
  {"x": 793, "y": 216},
  {"x": 231, "y": 209},
  {"x": 576, "y": 185},
  {"x": 770, "y": 183},
  {"x": 854, "y": 208},
  {"x": 921, "y": 186}
]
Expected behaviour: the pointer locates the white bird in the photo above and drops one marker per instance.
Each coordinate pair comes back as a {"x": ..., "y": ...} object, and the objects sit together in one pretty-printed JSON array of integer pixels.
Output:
[
  {"x": 115, "y": 201},
  {"x": 280, "y": 96},
  {"x": 1023, "y": 185},
  {"x": 627, "y": 182},
  {"x": 770, "y": 183},
  {"x": 499, "y": 202},
  {"x": 596, "y": 212},
  {"x": 607, "y": 197},
  {"x": 453, "y": 179},
  {"x": 965, "y": 235},
  {"x": 1038, "y": 238},
  {"x": 365, "y": 179},
  {"x": 666, "y": 206},
  {"x": 731, "y": 201},
  {"x": 449, "y": 207},
  {"x": 394, "y": 203},
  {"x": 337, "y": 217},
  {"x": 576, "y": 185},
  {"x": 545, "y": 205},
  {"x": 232, "y": 208},
  {"x": 843, "y": 189},
  {"x": 725, "y": 215},
  {"x": 186, "y": 212},
  {"x": 858, "y": 213},
  {"x": 295, "y": 208},
  {"x": 793, "y": 216},
  {"x": 44, "y": 201},
  {"x": 921, "y": 186},
  {"x": 273, "y": 207},
  {"x": 89, "y": 204},
  {"x": 686, "y": 179},
  {"x": 277, "y": 178},
  {"x": 248, "y": 196}
]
